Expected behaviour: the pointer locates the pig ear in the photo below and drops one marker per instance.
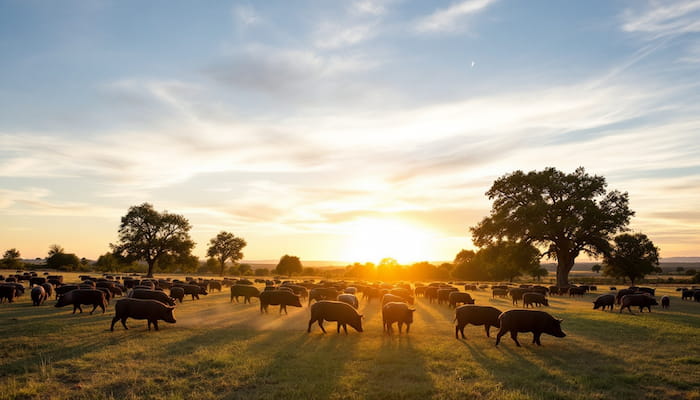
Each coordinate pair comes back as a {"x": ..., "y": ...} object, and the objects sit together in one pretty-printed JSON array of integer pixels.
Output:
[{"x": 559, "y": 320}]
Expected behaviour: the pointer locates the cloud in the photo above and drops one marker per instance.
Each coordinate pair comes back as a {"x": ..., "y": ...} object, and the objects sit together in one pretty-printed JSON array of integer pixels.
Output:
[
  {"x": 331, "y": 36},
  {"x": 451, "y": 19},
  {"x": 370, "y": 7},
  {"x": 300, "y": 75},
  {"x": 245, "y": 15},
  {"x": 662, "y": 18}
]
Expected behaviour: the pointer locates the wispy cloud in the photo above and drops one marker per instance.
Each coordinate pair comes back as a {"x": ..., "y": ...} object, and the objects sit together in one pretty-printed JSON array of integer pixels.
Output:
[
  {"x": 452, "y": 18},
  {"x": 664, "y": 18},
  {"x": 331, "y": 36},
  {"x": 370, "y": 7},
  {"x": 245, "y": 15}
]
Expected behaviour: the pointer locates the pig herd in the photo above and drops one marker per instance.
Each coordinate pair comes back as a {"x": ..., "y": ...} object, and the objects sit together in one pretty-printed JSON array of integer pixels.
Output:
[{"x": 332, "y": 301}]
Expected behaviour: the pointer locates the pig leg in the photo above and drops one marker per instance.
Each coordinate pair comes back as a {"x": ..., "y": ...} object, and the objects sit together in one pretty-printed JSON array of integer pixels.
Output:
[
  {"x": 114, "y": 321},
  {"x": 514, "y": 336},
  {"x": 311, "y": 321},
  {"x": 536, "y": 338},
  {"x": 124, "y": 323},
  {"x": 320, "y": 323},
  {"x": 408, "y": 327},
  {"x": 498, "y": 336},
  {"x": 487, "y": 328},
  {"x": 155, "y": 324}
]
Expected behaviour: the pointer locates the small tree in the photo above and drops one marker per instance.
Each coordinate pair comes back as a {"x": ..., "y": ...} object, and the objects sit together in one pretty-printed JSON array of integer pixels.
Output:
[
  {"x": 508, "y": 260},
  {"x": 245, "y": 269},
  {"x": 11, "y": 259},
  {"x": 63, "y": 261},
  {"x": 225, "y": 246},
  {"x": 288, "y": 265},
  {"x": 539, "y": 273},
  {"x": 596, "y": 268},
  {"x": 145, "y": 234},
  {"x": 262, "y": 272},
  {"x": 55, "y": 249},
  {"x": 632, "y": 256}
]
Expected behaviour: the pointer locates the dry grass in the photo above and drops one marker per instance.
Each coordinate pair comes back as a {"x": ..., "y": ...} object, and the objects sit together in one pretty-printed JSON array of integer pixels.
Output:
[{"x": 221, "y": 350}]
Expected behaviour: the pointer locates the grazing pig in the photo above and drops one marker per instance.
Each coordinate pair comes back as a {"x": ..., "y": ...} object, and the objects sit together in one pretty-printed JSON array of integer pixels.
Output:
[
  {"x": 577, "y": 291},
  {"x": 687, "y": 294},
  {"x": 282, "y": 298},
  {"x": 77, "y": 297},
  {"x": 153, "y": 295},
  {"x": 322, "y": 293},
  {"x": 517, "y": 294},
  {"x": 431, "y": 293},
  {"x": 443, "y": 294},
  {"x": 404, "y": 293},
  {"x": 49, "y": 289},
  {"x": 665, "y": 302},
  {"x": 498, "y": 292},
  {"x": 38, "y": 295},
  {"x": 337, "y": 311},
  {"x": 7, "y": 292},
  {"x": 177, "y": 293},
  {"x": 624, "y": 292},
  {"x": 247, "y": 291},
  {"x": 349, "y": 299},
  {"x": 696, "y": 295},
  {"x": 193, "y": 290},
  {"x": 476, "y": 315},
  {"x": 60, "y": 291},
  {"x": 399, "y": 313},
  {"x": 537, "y": 322},
  {"x": 640, "y": 300},
  {"x": 534, "y": 299},
  {"x": 148, "y": 309},
  {"x": 388, "y": 298},
  {"x": 456, "y": 298},
  {"x": 214, "y": 285},
  {"x": 605, "y": 300}
]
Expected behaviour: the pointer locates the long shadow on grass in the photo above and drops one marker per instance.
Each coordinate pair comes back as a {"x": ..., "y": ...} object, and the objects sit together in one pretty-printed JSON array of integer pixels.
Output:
[{"x": 303, "y": 366}]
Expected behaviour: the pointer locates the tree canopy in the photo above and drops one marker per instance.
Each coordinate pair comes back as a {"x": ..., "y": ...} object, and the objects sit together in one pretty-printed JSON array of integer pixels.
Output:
[
  {"x": 146, "y": 234},
  {"x": 225, "y": 246},
  {"x": 633, "y": 256},
  {"x": 11, "y": 259},
  {"x": 289, "y": 265},
  {"x": 567, "y": 214}
]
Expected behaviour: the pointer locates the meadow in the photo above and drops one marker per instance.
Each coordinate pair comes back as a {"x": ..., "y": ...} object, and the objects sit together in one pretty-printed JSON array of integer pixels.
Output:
[{"x": 223, "y": 350}]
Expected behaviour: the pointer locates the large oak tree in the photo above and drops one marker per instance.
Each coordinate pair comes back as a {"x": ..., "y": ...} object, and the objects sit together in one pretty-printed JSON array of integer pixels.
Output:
[
  {"x": 567, "y": 214},
  {"x": 146, "y": 234}
]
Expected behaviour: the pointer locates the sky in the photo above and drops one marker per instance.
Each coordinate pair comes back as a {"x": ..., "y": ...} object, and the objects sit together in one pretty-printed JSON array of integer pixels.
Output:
[{"x": 339, "y": 130}]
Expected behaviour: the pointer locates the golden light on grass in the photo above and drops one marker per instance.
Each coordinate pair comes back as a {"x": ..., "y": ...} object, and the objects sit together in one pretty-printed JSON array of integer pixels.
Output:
[{"x": 371, "y": 240}]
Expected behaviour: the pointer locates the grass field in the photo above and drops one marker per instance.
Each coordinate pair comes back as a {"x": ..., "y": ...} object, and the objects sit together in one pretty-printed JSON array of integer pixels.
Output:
[{"x": 222, "y": 350}]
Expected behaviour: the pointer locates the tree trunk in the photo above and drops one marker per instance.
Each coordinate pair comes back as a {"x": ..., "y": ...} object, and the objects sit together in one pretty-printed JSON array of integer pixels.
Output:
[
  {"x": 151, "y": 264},
  {"x": 564, "y": 265}
]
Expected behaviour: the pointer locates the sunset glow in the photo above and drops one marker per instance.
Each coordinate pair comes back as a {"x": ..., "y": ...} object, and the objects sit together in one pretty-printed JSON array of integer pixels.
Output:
[
  {"x": 350, "y": 130},
  {"x": 371, "y": 240}
]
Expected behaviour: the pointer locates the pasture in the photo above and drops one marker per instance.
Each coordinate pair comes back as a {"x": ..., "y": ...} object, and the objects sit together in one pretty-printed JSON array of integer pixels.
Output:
[{"x": 222, "y": 350}]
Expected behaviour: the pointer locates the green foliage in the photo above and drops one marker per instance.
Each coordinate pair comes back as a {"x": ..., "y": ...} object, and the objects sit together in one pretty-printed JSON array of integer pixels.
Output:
[
  {"x": 145, "y": 234},
  {"x": 596, "y": 268},
  {"x": 262, "y": 272},
  {"x": 566, "y": 213},
  {"x": 308, "y": 271},
  {"x": 11, "y": 259},
  {"x": 633, "y": 256},
  {"x": 225, "y": 246},
  {"x": 245, "y": 269},
  {"x": 539, "y": 273},
  {"x": 63, "y": 262},
  {"x": 55, "y": 249},
  {"x": 288, "y": 265}
]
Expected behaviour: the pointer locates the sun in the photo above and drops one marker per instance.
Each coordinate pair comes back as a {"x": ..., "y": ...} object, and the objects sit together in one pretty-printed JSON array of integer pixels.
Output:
[{"x": 370, "y": 240}]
